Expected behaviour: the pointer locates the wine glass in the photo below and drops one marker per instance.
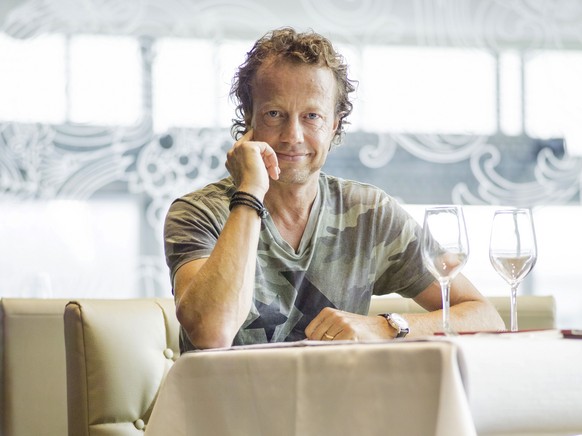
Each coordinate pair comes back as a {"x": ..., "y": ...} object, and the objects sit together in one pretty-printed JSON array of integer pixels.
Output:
[
  {"x": 445, "y": 249},
  {"x": 513, "y": 250}
]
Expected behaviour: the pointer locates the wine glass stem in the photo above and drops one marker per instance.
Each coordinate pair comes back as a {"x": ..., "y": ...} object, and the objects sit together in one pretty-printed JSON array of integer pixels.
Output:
[
  {"x": 513, "y": 308},
  {"x": 446, "y": 295}
]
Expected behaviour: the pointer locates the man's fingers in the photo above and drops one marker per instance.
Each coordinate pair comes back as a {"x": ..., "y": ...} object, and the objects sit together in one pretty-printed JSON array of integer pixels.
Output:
[
  {"x": 246, "y": 137},
  {"x": 267, "y": 154},
  {"x": 249, "y": 135},
  {"x": 319, "y": 325},
  {"x": 271, "y": 162}
]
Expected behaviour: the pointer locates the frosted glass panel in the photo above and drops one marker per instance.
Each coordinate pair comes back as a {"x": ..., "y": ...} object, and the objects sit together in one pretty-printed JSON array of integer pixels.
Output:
[
  {"x": 510, "y": 93},
  {"x": 554, "y": 96},
  {"x": 105, "y": 83},
  {"x": 184, "y": 84},
  {"x": 69, "y": 248},
  {"x": 32, "y": 79},
  {"x": 429, "y": 90}
]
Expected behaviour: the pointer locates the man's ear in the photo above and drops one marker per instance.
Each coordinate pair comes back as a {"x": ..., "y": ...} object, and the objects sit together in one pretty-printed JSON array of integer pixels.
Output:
[
  {"x": 336, "y": 122},
  {"x": 335, "y": 141}
]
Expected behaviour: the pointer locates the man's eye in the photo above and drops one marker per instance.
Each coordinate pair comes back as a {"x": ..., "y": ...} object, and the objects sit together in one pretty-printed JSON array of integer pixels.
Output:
[
  {"x": 312, "y": 116},
  {"x": 273, "y": 114}
]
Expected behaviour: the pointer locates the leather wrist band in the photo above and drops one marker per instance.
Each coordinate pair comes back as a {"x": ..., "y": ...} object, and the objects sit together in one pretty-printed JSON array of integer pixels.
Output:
[{"x": 249, "y": 200}]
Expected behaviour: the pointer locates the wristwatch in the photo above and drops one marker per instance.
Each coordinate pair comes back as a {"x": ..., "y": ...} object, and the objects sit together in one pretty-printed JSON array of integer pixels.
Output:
[{"x": 398, "y": 323}]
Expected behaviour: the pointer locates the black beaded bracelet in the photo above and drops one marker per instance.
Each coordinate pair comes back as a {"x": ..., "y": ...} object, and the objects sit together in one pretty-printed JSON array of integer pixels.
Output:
[
  {"x": 249, "y": 200},
  {"x": 247, "y": 195}
]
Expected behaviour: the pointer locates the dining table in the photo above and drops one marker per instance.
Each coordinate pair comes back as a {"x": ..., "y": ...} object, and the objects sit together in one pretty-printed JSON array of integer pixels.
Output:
[{"x": 494, "y": 384}]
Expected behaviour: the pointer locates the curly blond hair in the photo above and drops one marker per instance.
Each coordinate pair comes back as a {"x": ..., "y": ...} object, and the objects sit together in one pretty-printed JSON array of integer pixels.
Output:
[{"x": 308, "y": 48}]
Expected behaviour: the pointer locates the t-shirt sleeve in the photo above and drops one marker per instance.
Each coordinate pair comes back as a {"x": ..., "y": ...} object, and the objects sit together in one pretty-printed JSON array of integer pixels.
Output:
[
  {"x": 191, "y": 230},
  {"x": 401, "y": 268}
]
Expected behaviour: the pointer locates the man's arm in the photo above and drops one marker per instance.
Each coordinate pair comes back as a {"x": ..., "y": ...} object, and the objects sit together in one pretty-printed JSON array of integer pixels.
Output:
[
  {"x": 470, "y": 311},
  {"x": 214, "y": 295}
]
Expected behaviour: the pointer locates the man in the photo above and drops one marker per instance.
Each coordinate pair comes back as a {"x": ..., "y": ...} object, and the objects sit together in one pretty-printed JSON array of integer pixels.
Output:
[{"x": 279, "y": 251}]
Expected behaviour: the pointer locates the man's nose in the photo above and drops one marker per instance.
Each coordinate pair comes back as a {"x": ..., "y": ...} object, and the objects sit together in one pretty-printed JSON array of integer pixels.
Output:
[{"x": 292, "y": 131}]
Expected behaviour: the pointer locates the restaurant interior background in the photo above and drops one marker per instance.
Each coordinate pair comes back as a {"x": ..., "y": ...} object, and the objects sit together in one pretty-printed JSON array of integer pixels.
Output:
[{"x": 109, "y": 110}]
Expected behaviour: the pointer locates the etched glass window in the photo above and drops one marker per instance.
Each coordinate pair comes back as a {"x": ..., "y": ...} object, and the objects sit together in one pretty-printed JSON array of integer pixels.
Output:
[
  {"x": 32, "y": 79},
  {"x": 183, "y": 84},
  {"x": 554, "y": 96},
  {"x": 428, "y": 90},
  {"x": 105, "y": 84}
]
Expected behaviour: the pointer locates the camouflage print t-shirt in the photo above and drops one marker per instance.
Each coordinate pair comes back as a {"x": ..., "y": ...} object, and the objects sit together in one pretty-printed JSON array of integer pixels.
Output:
[{"x": 358, "y": 242}]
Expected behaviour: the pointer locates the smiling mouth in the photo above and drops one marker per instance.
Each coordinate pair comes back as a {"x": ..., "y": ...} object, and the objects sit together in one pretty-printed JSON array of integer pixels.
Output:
[{"x": 291, "y": 157}]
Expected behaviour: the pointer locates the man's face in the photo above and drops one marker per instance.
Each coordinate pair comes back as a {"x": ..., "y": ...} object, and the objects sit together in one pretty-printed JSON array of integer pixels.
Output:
[{"x": 294, "y": 112}]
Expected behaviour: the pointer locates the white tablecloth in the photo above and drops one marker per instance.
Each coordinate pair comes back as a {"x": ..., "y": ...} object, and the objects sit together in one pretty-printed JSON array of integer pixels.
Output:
[
  {"x": 523, "y": 384},
  {"x": 511, "y": 384},
  {"x": 398, "y": 388}
]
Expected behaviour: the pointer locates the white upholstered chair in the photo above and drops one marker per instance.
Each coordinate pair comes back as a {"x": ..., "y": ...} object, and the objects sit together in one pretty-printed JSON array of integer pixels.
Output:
[
  {"x": 33, "y": 392},
  {"x": 118, "y": 353}
]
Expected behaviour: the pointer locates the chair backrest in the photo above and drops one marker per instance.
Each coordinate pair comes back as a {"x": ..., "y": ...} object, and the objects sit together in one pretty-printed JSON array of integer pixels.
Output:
[
  {"x": 533, "y": 311},
  {"x": 33, "y": 395},
  {"x": 118, "y": 353}
]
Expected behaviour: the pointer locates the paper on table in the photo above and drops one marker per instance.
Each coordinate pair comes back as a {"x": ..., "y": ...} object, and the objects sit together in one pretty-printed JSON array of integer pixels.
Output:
[
  {"x": 310, "y": 343},
  {"x": 303, "y": 343}
]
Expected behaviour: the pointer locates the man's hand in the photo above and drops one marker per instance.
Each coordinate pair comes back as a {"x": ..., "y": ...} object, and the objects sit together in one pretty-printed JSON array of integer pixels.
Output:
[
  {"x": 251, "y": 163},
  {"x": 333, "y": 324}
]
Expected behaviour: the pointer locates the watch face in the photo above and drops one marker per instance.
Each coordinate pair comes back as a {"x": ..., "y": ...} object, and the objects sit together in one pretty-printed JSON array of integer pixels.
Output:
[
  {"x": 398, "y": 323},
  {"x": 399, "y": 320}
]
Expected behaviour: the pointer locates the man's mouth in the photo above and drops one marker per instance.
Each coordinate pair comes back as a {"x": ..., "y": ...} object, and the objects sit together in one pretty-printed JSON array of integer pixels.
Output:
[{"x": 291, "y": 157}]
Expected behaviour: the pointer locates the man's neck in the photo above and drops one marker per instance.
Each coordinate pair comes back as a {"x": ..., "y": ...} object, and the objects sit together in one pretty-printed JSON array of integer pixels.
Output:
[
  {"x": 291, "y": 199},
  {"x": 289, "y": 207}
]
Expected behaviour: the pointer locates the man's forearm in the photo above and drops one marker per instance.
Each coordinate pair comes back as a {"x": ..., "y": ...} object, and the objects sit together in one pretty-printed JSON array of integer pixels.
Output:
[
  {"x": 469, "y": 310},
  {"x": 467, "y": 316},
  {"x": 214, "y": 300}
]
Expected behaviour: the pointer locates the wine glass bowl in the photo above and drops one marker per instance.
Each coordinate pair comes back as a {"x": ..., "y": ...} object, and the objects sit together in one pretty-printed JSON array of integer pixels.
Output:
[
  {"x": 513, "y": 250},
  {"x": 447, "y": 263},
  {"x": 445, "y": 249},
  {"x": 511, "y": 267}
]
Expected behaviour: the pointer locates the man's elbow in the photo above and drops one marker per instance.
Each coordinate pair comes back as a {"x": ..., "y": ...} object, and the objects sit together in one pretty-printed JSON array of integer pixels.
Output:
[
  {"x": 202, "y": 333},
  {"x": 206, "y": 342}
]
